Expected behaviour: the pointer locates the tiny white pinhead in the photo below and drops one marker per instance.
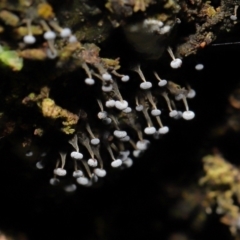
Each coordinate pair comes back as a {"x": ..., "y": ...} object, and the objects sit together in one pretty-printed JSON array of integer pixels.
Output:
[
  {"x": 125, "y": 78},
  {"x": 110, "y": 103},
  {"x": 29, "y": 39},
  {"x": 150, "y": 130},
  {"x": 163, "y": 130},
  {"x": 100, "y": 172},
  {"x": 173, "y": 113},
  {"x": 65, "y": 32},
  {"x": 176, "y": 63},
  {"x": 155, "y": 112},
  {"x": 60, "y": 172},
  {"x": 116, "y": 163},
  {"x": 121, "y": 105},
  {"x": 82, "y": 180},
  {"x": 106, "y": 77},
  {"x": 162, "y": 83},
  {"x": 95, "y": 141},
  {"x": 188, "y": 115},
  {"x": 89, "y": 81},
  {"x": 145, "y": 85},
  {"x": 76, "y": 155}
]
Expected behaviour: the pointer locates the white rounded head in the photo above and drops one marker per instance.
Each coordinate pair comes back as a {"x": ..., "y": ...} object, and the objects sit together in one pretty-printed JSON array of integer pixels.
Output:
[
  {"x": 128, "y": 162},
  {"x": 77, "y": 173},
  {"x": 150, "y": 130},
  {"x": 89, "y": 81},
  {"x": 125, "y": 78},
  {"x": 121, "y": 105},
  {"x": 60, "y": 172},
  {"x": 72, "y": 39},
  {"x": 116, "y": 163},
  {"x": 95, "y": 141},
  {"x": 29, "y": 39},
  {"x": 76, "y": 155},
  {"x": 176, "y": 63},
  {"x": 110, "y": 103},
  {"x": 137, "y": 153},
  {"x": 191, "y": 93},
  {"x": 54, "y": 181},
  {"x": 82, "y": 181},
  {"x": 143, "y": 145},
  {"x": 162, "y": 83},
  {"x": 49, "y": 35},
  {"x": 173, "y": 113},
  {"x": 100, "y": 172},
  {"x": 127, "y": 110},
  {"x": 39, "y": 165},
  {"x": 199, "y": 67},
  {"x": 139, "y": 108},
  {"x": 102, "y": 115},
  {"x": 107, "y": 88},
  {"x": 163, "y": 130},
  {"x": 155, "y": 112},
  {"x": 106, "y": 76},
  {"x": 188, "y": 115},
  {"x": 233, "y": 17},
  {"x": 92, "y": 162},
  {"x": 120, "y": 134},
  {"x": 145, "y": 85},
  {"x": 65, "y": 32}
]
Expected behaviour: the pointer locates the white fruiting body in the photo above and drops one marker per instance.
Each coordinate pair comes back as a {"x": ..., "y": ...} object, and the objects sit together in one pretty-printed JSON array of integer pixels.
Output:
[
  {"x": 65, "y": 32},
  {"x": 116, "y": 163},
  {"x": 145, "y": 85},
  {"x": 92, "y": 162},
  {"x": 155, "y": 112},
  {"x": 106, "y": 77},
  {"x": 76, "y": 155},
  {"x": 95, "y": 141},
  {"x": 89, "y": 81},
  {"x": 121, "y": 105},
  {"x": 173, "y": 113},
  {"x": 143, "y": 144},
  {"x": 125, "y": 78},
  {"x": 163, "y": 130},
  {"x": 150, "y": 130},
  {"x": 100, "y": 172},
  {"x": 60, "y": 172},
  {"x": 120, "y": 134},
  {"x": 188, "y": 115},
  {"x": 199, "y": 67},
  {"x": 77, "y": 173},
  {"x": 110, "y": 103},
  {"x": 82, "y": 181}
]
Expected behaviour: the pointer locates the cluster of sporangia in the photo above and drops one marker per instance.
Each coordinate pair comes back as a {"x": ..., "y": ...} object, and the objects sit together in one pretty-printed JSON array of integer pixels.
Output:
[
  {"x": 120, "y": 120},
  {"x": 121, "y": 127}
]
